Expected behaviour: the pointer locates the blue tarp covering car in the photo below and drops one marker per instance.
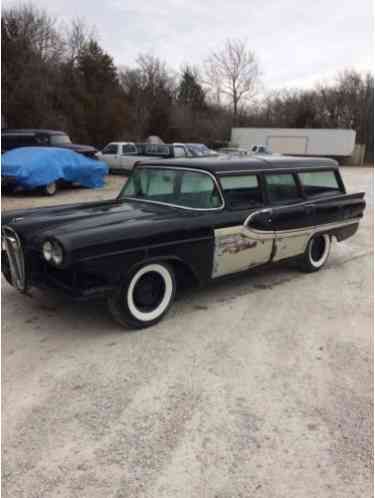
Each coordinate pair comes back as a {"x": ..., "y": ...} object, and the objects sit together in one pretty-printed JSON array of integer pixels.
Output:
[{"x": 32, "y": 167}]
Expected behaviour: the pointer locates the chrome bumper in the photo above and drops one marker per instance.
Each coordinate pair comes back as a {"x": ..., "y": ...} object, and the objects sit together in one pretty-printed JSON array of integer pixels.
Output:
[{"x": 11, "y": 244}]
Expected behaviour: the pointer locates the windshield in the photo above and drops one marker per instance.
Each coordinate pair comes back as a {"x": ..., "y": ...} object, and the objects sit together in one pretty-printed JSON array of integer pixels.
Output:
[
  {"x": 200, "y": 150},
  {"x": 178, "y": 187},
  {"x": 60, "y": 140}
]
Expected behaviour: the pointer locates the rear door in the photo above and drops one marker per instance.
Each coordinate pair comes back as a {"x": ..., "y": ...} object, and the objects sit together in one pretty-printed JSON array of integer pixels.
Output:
[
  {"x": 292, "y": 217},
  {"x": 127, "y": 156}
]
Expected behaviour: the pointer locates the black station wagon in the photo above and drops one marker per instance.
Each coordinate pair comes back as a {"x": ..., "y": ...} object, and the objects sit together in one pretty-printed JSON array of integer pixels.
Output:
[{"x": 181, "y": 220}]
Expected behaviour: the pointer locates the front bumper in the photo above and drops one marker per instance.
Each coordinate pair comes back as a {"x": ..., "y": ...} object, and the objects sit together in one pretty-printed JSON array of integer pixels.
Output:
[
  {"x": 8, "y": 181},
  {"x": 13, "y": 260},
  {"x": 39, "y": 274}
]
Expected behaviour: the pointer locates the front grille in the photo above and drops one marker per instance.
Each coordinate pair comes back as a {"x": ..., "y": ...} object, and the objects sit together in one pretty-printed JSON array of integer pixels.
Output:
[{"x": 11, "y": 244}]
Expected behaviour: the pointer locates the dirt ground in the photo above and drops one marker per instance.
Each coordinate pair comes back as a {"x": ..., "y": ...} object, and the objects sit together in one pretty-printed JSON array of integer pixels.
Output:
[{"x": 260, "y": 386}]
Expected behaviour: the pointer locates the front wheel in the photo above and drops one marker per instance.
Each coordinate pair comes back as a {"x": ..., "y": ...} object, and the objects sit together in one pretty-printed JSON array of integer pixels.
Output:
[
  {"x": 50, "y": 189},
  {"x": 316, "y": 253},
  {"x": 145, "y": 298}
]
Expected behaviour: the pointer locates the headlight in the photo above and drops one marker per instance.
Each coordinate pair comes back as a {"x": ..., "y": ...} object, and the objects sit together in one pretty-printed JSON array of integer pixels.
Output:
[
  {"x": 57, "y": 254},
  {"x": 47, "y": 251},
  {"x": 53, "y": 251}
]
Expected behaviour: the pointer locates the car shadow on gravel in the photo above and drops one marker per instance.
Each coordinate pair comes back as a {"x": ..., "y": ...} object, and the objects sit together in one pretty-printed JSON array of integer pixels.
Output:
[{"x": 64, "y": 316}]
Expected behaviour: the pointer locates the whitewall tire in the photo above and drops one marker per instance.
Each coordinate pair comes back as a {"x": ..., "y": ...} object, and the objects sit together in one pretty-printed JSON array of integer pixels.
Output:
[
  {"x": 316, "y": 253},
  {"x": 50, "y": 189},
  {"x": 146, "y": 297}
]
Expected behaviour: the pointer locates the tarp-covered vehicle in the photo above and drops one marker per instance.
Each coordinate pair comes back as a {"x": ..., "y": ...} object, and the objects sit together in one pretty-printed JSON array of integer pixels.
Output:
[{"x": 47, "y": 167}]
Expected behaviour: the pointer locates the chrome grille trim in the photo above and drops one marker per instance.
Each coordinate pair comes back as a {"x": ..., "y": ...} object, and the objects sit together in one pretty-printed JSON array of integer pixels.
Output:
[{"x": 12, "y": 245}]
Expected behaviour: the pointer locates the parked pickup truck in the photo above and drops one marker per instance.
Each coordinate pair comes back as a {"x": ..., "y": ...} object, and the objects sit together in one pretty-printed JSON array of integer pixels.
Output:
[{"x": 122, "y": 156}]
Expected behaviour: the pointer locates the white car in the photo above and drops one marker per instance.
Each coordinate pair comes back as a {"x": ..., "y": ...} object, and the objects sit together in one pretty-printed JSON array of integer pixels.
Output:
[
  {"x": 119, "y": 156},
  {"x": 260, "y": 149},
  {"x": 122, "y": 156}
]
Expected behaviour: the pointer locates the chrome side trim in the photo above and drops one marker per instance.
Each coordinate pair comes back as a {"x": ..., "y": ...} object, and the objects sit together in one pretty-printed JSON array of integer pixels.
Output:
[{"x": 317, "y": 228}]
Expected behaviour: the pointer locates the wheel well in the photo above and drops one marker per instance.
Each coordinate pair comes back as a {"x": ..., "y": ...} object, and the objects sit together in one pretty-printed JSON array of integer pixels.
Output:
[{"x": 185, "y": 276}]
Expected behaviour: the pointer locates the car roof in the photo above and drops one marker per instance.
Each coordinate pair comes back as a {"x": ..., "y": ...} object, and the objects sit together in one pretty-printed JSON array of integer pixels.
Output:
[
  {"x": 253, "y": 163},
  {"x": 31, "y": 130}
]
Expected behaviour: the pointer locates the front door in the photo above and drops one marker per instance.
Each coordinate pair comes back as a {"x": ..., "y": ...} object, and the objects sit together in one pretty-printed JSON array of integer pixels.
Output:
[
  {"x": 127, "y": 156},
  {"x": 241, "y": 247},
  {"x": 248, "y": 241},
  {"x": 110, "y": 155}
]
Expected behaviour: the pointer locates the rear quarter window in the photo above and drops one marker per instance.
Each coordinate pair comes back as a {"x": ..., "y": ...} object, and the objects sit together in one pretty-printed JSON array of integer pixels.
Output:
[
  {"x": 319, "y": 183},
  {"x": 282, "y": 188}
]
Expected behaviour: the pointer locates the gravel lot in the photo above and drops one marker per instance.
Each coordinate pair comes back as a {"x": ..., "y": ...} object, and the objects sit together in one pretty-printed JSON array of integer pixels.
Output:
[{"x": 260, "y": 386}]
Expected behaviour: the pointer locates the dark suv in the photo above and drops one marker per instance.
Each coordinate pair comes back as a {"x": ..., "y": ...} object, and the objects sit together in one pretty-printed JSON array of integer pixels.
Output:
[{"x": 11, "y": 139}]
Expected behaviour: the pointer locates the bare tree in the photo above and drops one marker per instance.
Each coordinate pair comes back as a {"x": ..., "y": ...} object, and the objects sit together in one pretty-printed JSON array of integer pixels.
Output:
[
  {"x": 233, "y": 71},
  {"x": 76, "y": 35}
]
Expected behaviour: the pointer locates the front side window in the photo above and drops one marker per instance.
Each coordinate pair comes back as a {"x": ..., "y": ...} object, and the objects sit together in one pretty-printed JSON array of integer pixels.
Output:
[
  {"x": 200, "y": 150},
  {"x": 319, "y": 183},
  {"x": 59, "y": 140},
  {"x": 173, "y": 186},
  {"x": 110, "y": 149},
  {"x": 241, "y": 191},
  {"x": 282, "y": 188}
]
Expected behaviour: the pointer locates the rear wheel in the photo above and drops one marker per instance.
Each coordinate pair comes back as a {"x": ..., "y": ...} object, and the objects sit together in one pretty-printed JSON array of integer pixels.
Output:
[
  {"x": 146, "y": 296},
  {"x": 316, "y": 253},
  {"x": 50, "y": 189}
]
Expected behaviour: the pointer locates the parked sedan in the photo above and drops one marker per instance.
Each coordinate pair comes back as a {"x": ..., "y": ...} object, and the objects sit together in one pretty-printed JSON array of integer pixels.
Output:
[
  {"x": 14, "y": 138},
  {"x": 175, "y": 221},
  {"x": 46, "y": 168}
]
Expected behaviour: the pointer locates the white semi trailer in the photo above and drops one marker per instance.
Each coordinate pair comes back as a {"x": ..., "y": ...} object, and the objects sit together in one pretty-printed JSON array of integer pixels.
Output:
[{"x": 298, "y": 141}]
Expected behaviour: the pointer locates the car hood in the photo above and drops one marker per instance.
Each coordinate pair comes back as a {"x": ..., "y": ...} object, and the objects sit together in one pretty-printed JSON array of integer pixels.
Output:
[{"x": 83, "y": 224}]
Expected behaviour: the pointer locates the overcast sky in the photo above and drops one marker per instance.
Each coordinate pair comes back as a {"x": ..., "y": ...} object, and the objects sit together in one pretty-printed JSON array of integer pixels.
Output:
[{"x": 297, "y": 42}]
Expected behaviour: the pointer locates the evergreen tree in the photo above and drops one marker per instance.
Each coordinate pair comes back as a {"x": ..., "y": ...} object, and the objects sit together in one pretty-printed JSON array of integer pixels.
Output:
[{"x": 190, "y": 92}]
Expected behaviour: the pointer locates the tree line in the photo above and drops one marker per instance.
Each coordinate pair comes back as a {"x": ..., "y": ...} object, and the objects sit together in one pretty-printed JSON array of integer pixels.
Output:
[{"x": 58, "y": 76}]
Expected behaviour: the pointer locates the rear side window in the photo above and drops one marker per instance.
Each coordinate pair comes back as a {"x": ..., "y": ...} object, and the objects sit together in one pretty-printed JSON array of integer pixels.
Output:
[
  {"x": 157, "y": 150},
  {"x": 241, "y": 191},
  {"x": 129, "y": 149},
  {"x": 282, "y": 188},
  {"x": 319, "y": 182}
]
